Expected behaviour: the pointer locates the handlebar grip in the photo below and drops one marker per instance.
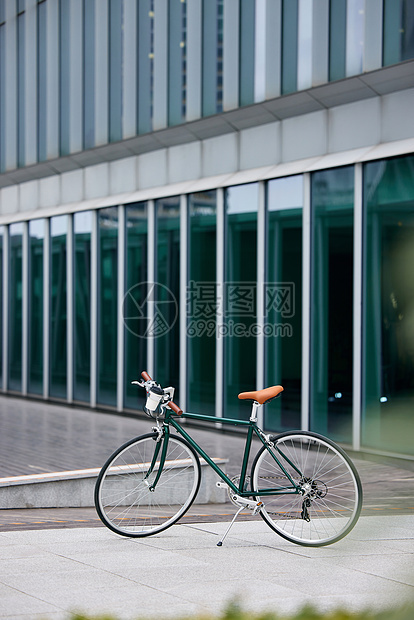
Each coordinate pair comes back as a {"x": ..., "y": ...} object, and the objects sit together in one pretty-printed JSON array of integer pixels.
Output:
[
  {"x": 171, "y": 404},
  {"x": 174, "y": 407}
]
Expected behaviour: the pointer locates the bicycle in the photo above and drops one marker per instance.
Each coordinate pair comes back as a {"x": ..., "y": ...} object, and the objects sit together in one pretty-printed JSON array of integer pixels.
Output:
[{"x": 302, "y": 484}]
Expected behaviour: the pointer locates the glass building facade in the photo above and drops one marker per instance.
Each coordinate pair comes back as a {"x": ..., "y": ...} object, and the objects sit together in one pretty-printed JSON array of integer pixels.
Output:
[{"x": 220, "y": 193}]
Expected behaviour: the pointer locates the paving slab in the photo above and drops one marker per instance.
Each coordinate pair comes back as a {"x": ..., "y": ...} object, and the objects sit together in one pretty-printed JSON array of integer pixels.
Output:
[{"x": 51, "y": 573}]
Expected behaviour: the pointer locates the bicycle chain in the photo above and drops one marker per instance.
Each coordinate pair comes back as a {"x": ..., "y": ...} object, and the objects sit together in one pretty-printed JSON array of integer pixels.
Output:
[{"x": 277, "y": 514}]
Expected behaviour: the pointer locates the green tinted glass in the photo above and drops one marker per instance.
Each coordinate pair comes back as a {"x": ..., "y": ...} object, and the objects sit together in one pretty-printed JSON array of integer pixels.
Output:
[
  {"x": 36, "y": 254},
  {"x": 15, "y": 307},
  {"x": 82, "y": 224},
  {"x": 387, "y": 420},
  {"x": 58, "y": 306},
  {"x": 108, "y": 300},
  {"x": 201, "y": 303},
  {"x": 240, "y": 297},
  {"x": 136, "y": 290},
  {"x": 283, "y": 301},
  {"x": 332, "y": 303}
]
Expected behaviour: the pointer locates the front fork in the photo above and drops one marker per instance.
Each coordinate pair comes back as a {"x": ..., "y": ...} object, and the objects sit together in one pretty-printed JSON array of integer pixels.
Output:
[{"x": 163, "y": 435}]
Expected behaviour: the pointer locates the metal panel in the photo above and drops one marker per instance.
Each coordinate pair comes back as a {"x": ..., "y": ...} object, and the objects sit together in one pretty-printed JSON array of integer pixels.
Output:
[
  {"x": 129, "y": 65},
  {"x": 94, "y": 309},
  {"x": 220, "y": 257},
  {"x": 69, "y": 310},
  {"x": 46, "y": 309},
  {"x": 151, "y": 281},
  {"x": 5, "y": 302},
  {"x": 306, "y": 301},
  {"x": 373, "y": 35},
  {"x": 183, "y": 299},
  {"x": 25, "y": 307},
  {"x": 193, "y": 60},
  {"x": 357, "y": 311},
  {"x": 101, "y": 72},
  {"x": 160, "y": 64},
  {"x": 10, "y": 99},
  {"x": 231, "y": 14},
  {"x": 261, "y": 280},
  {"x": 120, "y": 389}
]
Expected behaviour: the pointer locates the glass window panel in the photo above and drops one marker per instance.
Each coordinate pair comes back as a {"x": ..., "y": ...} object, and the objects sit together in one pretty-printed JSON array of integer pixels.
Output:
[
  {"x": 332, "y": 303},
  {"x": 136, "y": 276},
  {"x": 108, "y": 302},
  {"x": 1, "y": 299},
  {"x": 283, "y": 309},
  {"x": 64, "y": 77},
  {"x": 15, "y": 307},
  {"x": 2, "y": 88},
  {"x": 240, "y": 296},
  {"x": 36, "y": 252},
  {"x": 21, "y": 18},
  {"x": 355, "y": 36},
  {"x": 145, "y": 64},
  {"x": 212, "y": 57},
  {"x": 398, "y": 31},
  {"x": 177, "y": 58},
  {"x": 337, "y": 39},
  {"x": 290, "y": 15},
  {"x": 387, "y": 420},
  {"x": 166, "y": 328},
  {"x": 115, "y": 70},
  {"x": 88, "y": 75},
  {"x": 201, "y": 303},
  {"x": 41, "y": 84},
  {"x": 58, "y": 306},
  {"x": 82, "y": 224},
  {"x": 247, "y": 51}
]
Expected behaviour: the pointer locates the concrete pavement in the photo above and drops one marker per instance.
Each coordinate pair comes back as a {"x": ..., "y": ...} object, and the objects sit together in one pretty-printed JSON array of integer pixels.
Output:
[{"x": 52, "y": 572}]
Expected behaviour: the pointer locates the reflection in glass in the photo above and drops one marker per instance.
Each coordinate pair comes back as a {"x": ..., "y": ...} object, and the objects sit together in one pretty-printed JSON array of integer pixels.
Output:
[
  {"x": 283, "y": 301},
  {"x": 1, "y": 300},
  {"x": 240, "y": 296},
  {"x": 177, "y": 61},
  {"x": 58, "y": 306},
  {"x": 82, "y": 224},
  {"x": 166, "y": 331},
  {"x": 355, "y": 37},
  {"x": 201, "y": 303},
  {"x": 398, "y": 31},
  {"x": 15, "y": 307},
  {"x": 387, "y": 419},
  {"x": 136, "y": 286},
  {"x": 337, "y": 33},
  {"x": 36, "y": 241},
  {"x": 332, "y": 303},
  {"x": 108, "y": 300},
  {"x": 290, "y": 13},
  {"x": 212, "y": 57}
]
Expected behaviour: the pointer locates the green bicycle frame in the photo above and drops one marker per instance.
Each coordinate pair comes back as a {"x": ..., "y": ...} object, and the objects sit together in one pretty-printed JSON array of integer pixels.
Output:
[{"x": 251, "y": 430}]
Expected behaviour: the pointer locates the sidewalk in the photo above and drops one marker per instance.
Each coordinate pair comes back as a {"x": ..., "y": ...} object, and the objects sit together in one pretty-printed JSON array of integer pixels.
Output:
[{"x": 50, "y": 573}]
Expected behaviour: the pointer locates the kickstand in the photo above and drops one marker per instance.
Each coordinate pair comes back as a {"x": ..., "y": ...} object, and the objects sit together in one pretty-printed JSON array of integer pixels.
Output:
[{"x": 220, "y": 542}]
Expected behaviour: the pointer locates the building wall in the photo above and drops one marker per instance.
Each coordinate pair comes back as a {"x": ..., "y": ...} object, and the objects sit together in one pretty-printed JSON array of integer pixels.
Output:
[{"x": 229, "y": 161}]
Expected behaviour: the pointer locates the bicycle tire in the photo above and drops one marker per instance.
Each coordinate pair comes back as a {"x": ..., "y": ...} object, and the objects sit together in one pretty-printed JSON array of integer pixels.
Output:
[
  {"x": 123, "y": 499},
  {"x": 330, "y": 483}
]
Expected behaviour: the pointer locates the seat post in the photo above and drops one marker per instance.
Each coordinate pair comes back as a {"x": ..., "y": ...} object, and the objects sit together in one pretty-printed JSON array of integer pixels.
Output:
[{"x": 255, "y": 408}]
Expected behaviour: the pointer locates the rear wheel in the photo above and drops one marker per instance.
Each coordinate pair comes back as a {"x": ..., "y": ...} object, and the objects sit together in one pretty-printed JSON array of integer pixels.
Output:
[
  {"x": 123, "y": 498},
  {"x": 330, "y": 498}
]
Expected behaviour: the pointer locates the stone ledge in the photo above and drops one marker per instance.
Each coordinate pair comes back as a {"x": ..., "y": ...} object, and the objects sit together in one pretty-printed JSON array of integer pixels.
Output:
[{"x": 75, "y": 489}]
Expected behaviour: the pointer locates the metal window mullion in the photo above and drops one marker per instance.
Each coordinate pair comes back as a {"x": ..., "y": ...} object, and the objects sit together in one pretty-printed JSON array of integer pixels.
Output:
[
  {"x": 306, "y": 300},
  {"x": 69, "y": 310},
  {"x": 151, "y": 281},
  {"x": 94, "y": 310},
  {"x": 25, "y": 307},
  {"x": 261, "y": 284},
  {"x": 120, "y": 392},
  {"x": 220, "y": 235},
  {"x": 5, "y": 302},
  {"x": 183, "y": 299},
  {"x": 46, "y": 309},
  {"x": 357, "y": 310}
]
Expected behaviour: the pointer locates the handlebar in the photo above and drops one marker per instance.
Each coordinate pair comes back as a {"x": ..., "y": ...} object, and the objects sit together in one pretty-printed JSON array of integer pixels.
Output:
[{"x": 171, "y": 405}]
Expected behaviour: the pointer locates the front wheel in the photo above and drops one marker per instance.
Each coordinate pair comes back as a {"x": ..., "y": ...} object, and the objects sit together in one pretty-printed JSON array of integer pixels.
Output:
[
  {"x": 329, "y": 500},
  {"x": 124, "y": 498}
]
